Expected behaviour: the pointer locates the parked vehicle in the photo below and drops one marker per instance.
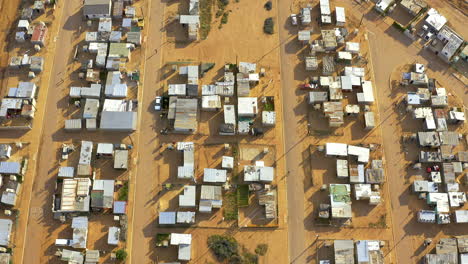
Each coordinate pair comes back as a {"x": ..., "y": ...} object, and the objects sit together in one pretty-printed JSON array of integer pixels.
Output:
[
  {"x": 294, "y": 19},
  {"x": 63, "y": 242},
  {"x": 158, "y": 103}
]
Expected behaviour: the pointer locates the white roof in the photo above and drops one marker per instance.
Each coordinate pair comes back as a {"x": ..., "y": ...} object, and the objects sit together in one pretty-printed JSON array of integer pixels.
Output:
[
  {"x": 187, "y": 19},
  {"x": 184, "y": 252},
  {"x": 67, "y": 172},
  {"x": 214, "y": 175},
  {"x": 167, "y": 218},
  {"x": 247, "y": 106},
  {"x": 105, "y": 148},
  {"x": 367, "y": 95},
  {"x": 361, "y": 152},
  {"x": 352, "y": 47},
  {"x": 86, "y": 152},
  {"x": 336, "y": 149},
  {"x": 187, "y": 199},
  {"x": 346, "y": 83},
  {"x": 113, "y": 236},
  {"x": 247, "y": 67},
  {"x": 342, "y": 168},
  {"x": 181, "y": 239},
  {"x": 115, "y": 105},
  {"x": 461, "y": 216},
  {"x": 5, "y": 231},
  {"x": 211, "y": 101},
  {"x": 177, "y": 89},
  {"x": 269, "y": 117},
  {"x": 229, "y": 114},
  {"x": 360, "y": 176},
  {"x": 362, "y": 191},
  {"x": 185, "y": 217},
  {"x": 435, "y": 19},
  {"x": 266, "y": 174},
  {"x": 355, "y": 71},
  {"x": 228, "y": 162},
  {"x": 340, "y": 14},
  {"x": 79, "y": 222},
  {"x": 104, "y": 185}
]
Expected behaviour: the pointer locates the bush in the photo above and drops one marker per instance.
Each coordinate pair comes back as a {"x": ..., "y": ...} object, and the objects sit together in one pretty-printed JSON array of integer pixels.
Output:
[
  {"x": 123, "y": 192},
  {"x": 121, "y": 254},
  {"x": 268, "y": 26},
  {"x": 224, "y": 19},
  {"x": 261, "y": 249},
  {"x": 223, "y": 247},
  {"x": 268, "y": 5},
  {"x": 250, "y": 258}
]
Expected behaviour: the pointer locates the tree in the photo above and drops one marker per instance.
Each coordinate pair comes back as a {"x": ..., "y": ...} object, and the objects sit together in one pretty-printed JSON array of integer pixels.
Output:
[
  {"x": 223, "y": 247},
  {"x": 268, "y": 26},
  {"x": 261, "y": 249},
  {"x": 121, "y": 254}
]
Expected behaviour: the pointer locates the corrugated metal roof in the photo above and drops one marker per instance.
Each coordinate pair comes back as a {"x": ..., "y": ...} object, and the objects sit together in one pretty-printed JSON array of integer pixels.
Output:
[
  {"x": 5, "y": 231},
  {"x": 67, "y": 172},
  {"x": 167, "y": 218},
  {"x": 10, "y": 167},
  {"x": 73, "y": 124}
]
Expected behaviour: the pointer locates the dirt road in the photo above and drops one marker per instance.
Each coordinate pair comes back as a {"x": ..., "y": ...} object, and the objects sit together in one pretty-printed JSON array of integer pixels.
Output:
[
  {"x": 145, "y": 184},
  {"x": 294, "y": 133}
]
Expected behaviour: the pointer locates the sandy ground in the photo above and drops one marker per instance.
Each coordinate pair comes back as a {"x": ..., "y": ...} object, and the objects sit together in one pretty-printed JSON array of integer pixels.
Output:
[{"x": 245, "y": 20}]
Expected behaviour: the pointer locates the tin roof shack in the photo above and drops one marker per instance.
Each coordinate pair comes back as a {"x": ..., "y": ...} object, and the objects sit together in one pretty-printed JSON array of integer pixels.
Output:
[
  {"x": 117, "y": 8},
  {"x": 336, "y": 149},
  {"x": 420, "y": 186},
  {"x": 304, "y": 36},
  {"x": 376, "y": 173},
  {"x": 328, "y": 65},
  {"x": 440, "y": 200},
  {"x": 352, "y": 47},
  {"x": 94, "y": 9},
  {"x": 435, "y": 20},
  {"x": 325, "y": 12},
  {"x": 305, "y": 16},
  {"x": 167, "y": 218},
  {"x": 105, "y": 24},
  {"x": 340, "y": 200},
  {"x": 114, "y": 86},
  {"x": 80, "y": 231},
  {"x": 192, "y": 73},
  {"x": 342, "y": 168},
  {"x": 367, "y": 95},
  {"x": 120, "y": 50},
  {"x": 462, "y": 243},
  {"x": 121, "y": 159},
  {"x": 414, "y": 6},
  {"x": 340, "y": 16},
  {"x": 186, "y": 115},
  {"x": 187, "y": 170},
  {"x": 113, "y": 236},
  {"x": 268, "y": 118},
  {"x": 73, "y": 125},
  {"x": 187, "y": 198},
  {"x": 329, "y": 39},
  {"x": 457, "y": 199},
  {"x": 66, "y": 172},
  {"x": 91, "y": 108},
  {"x": 5, "y": 151},
  {"x": 369, "y": 120},
  {"x": 10, "y": 195},
  {"x": 134, "y": 37},
  {"x": 5, "y": 258},
  {"x": 344, "y": 251},
  {"x": 427, "y": 216},
  {"x": 247, "y": 106},
  {"x": 73, "y": 196},
  {"x": 39, "y": 34},
  {"x": 184, "y": 241},
  {"x": 461, "y": 216},
  {"x": 429, "y": 139},
  {"x": 334, "y": 112},
  {"x": 456, "y": 116},
  {"x": 118, "y": 115},
  {"x": 37, "y": 64},
  {"x": 71, "y": 256},
  {"x": 211, "y": 102},
  {"x": 214, "y": 175},
  {"x": 447, "y": 43},
  {"x": 268, "y": 199},
  {"x": 229, "y": 126},
  {"x": 102, "y": 194},
  {"x": 185, "y": 218},
  {"x": 84, "y": 163},
  {"x": 26, "y": 13},
  {"x": 318, "y": 97},
  {"x": 10, "y": 167},
  {"x": 449, "y": 138},
  {"x": 227, "y": 163},
  {"x": 369, "y": 252},
  {"x": 193, "y": 22},
  {"x": 210, "y": 197},
  {"x": 258, "y": 173},
  {"x": 311, "y": 63},
  {"x": 5, "y": 232}
]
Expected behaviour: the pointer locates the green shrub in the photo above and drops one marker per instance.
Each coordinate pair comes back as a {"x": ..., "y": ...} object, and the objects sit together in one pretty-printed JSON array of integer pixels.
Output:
[
  {"x": 249, "y": 258},
  {"x": 121, "y": 254},
  {"x": 268, "y": 26},
  {"x": 123, "y": 192},
  {"x": 261, "y": 249},
  {"x": 224, "y": 19},
  {"x": 268, "y": 5},
  {"x": 223, "y": 247}
]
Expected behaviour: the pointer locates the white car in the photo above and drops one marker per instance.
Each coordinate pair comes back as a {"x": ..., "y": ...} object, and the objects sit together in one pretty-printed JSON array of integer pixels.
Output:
[
  {"x": 294, "y": 19},
  {"x": 157, "y": 103}
]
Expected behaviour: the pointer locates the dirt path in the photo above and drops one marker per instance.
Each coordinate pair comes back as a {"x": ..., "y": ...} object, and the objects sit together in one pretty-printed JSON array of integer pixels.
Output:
[{"x": 145, "y": 184}]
